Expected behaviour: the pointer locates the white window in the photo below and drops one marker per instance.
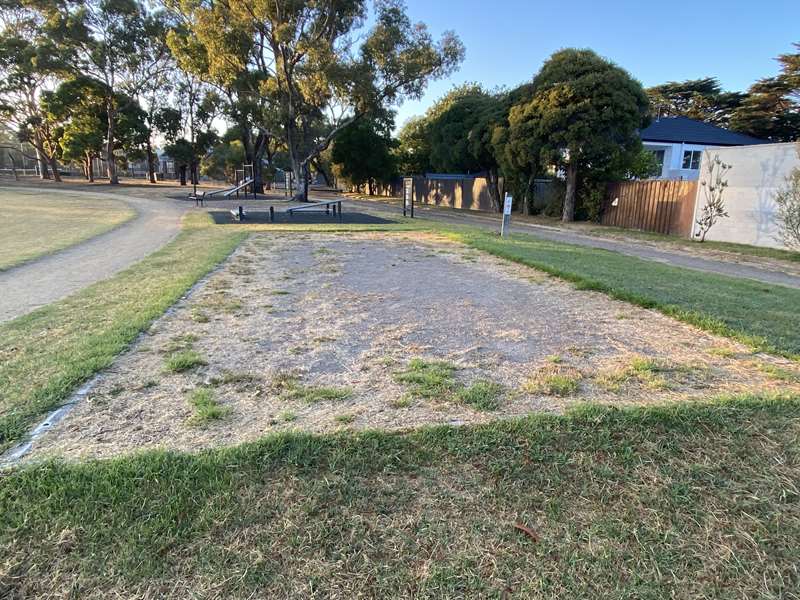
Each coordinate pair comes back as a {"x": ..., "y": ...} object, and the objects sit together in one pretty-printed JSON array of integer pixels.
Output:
[{"x": 691, "y": 159}]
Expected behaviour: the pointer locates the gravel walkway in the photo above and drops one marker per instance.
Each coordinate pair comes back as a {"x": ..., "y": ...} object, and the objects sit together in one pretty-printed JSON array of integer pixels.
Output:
[
  {"x": 674, "y": 258},
  {"x": 53, "y": 277}
]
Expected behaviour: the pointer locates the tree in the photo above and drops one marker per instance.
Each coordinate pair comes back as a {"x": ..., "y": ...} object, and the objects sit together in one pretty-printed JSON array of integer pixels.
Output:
[
  {"x": 309, "y": 66},
  {"x": 586, "y": 113},
  {"x": 787, "y": 201},
  {"x": 714, "y": 186},
  {"x": 198, "y": 108},
  {"x": 29, "y": 65},
  {"x": 79, "y": 106},
  {"x": 516, "y": 145},
  {"x": 224, "y": 159},
  {"x": 460, "y": 132},
  {"x": 414, "y": 149},
  {"x": 362, "y": 153},
  {"x": 111, "y": 42},
  {"x": 701, "y": 99},
  {"x": 771, "y": 110}
]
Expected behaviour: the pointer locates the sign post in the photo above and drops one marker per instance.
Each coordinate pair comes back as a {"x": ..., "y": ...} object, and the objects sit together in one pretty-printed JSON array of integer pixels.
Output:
[
  {"x": 504, "y": 228},
  {"x": 408, "y": 197}
]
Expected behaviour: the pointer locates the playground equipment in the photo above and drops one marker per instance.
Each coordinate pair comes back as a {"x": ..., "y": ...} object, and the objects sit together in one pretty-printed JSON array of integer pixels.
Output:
[
  {"x": 244, "y": 178},
  {"x": 324, "y": 206}
]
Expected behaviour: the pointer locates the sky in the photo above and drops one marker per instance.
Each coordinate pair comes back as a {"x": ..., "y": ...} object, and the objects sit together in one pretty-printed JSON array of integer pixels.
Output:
[{"x": 508, "y": 40}]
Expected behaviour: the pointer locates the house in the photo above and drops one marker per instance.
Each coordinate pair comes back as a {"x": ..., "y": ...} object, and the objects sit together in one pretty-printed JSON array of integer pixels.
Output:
[{"x": 678, "y": 143}]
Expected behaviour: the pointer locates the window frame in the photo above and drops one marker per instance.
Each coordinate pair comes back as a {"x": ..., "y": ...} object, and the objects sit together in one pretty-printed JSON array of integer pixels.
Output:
[{"x": 691, "y": 155}]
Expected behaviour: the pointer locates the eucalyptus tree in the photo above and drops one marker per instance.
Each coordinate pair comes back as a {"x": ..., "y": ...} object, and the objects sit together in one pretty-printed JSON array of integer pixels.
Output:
[
  {"x": 116, "y": 42},
  {"x": 313, "y": 61},
  {"x": 197, "y": 107},
  {"x": 29, "y": 65}
]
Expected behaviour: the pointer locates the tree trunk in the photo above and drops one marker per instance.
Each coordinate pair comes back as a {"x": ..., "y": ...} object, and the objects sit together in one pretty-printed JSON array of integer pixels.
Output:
[
  {"x": 492, "y": 180},
  {"x": 182, "y": 170},
  {"x": 90, "y": 168},
  {"x": 256, "y": 161},
  {"x": 193, "y": 173},
  {"x": 369, "y": 186},
  {"x": 54, "y": 168},
  {"x": 111, "y": 166},
  {"x": 306, "y": 179},
  {"x": 324, "y": 172},
  {"x": 13, "y": 166},
  {"x": 151, "y": 172},
  {"x": 44, "y": 172},
  {"x": 528, "y": 197},
  {"x": 569, "y": 198}
]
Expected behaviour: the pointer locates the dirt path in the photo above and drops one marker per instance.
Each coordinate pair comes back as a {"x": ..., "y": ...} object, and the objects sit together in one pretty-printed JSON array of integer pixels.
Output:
[
  {"x": 675, "y": 258},
  {"x": 52, "y": 277},
  {"x": 323, "y": 332}
]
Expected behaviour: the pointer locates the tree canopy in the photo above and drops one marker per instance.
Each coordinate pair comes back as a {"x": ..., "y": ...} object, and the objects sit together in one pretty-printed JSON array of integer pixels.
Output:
[{"x": 303, "y": 59}]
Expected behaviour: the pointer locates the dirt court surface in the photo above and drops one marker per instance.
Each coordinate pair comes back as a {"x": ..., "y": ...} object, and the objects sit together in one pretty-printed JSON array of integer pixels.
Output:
[{"x": 321, "y": 332}]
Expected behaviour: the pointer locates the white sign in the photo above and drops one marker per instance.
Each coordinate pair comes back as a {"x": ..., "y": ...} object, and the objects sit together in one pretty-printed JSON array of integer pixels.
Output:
[{"x": 507, "y": 205}]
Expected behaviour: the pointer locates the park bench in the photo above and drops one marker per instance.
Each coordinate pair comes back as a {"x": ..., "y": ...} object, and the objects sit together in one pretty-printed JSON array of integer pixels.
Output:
[
  {"x": 198, "y": 197},
  {"x": 327, "y": 205}
]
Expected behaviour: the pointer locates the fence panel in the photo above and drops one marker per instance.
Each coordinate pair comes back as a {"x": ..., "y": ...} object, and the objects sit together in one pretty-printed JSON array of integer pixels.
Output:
[{"x": 656, "y": 205}]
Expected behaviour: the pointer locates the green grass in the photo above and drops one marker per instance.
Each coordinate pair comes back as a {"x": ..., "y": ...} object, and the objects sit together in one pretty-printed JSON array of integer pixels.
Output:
[
  {"x": 183, "y": 360},
  {"x": 482, "y": 395},
  {"x": 47, "y": 354},
  {"x": 556, "y": 383},
  {"x": 760, "y": 315},
  {"x": 35, "y": 223},
  {"x": 742, "y": 249},
  {"x": 428, "y": 379},
  {"x": 290, "y": 388},
  {"x": 206, "y": 407},
  {"x": 780, "y": 373},
  {"x": 688, "y": 501}
]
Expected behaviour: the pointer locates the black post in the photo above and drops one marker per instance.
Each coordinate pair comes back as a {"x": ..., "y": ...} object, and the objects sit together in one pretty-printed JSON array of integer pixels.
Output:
[
  {"x": 271, "y": 214},
  {"x": 339, "y": 210},
  {"x": 241, "y": 214}
]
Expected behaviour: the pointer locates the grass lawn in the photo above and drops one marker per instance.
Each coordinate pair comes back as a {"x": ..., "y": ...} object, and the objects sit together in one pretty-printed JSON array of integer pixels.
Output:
[
  {"x": 743, "y": 249},
  {"x": 765, "y": 316},
  {"x": 35, "y": 224},
  {"x": 685, "y": 501},
  {"x": 48, "y": 353},
  {"x": 693, "y": 501}
]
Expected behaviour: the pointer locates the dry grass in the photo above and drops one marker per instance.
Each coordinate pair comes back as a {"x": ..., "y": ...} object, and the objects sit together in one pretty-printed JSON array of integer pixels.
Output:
[
  {"x": 554, "y": 379},
  {"x": 34, "y": 225}
]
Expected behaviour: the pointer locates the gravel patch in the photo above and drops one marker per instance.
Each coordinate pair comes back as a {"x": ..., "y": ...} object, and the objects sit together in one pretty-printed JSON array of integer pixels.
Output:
[{"x": 320, "y": 332}]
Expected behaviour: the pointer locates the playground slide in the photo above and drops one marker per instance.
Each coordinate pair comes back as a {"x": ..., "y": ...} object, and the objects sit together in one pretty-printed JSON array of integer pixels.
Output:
[{"x": 232, "y": 190}]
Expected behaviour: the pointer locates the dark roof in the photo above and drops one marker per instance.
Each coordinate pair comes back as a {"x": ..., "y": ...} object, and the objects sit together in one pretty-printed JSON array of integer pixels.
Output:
[{"x": 683, "y": 129}]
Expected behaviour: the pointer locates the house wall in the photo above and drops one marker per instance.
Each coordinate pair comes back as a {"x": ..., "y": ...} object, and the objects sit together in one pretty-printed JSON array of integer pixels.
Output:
[
  {"x": 757, "y": 173},
  {"x": 673, "y": 159}
]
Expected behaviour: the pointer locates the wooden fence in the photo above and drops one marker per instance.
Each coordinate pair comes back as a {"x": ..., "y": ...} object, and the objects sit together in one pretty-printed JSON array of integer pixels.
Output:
[
  {"x": 464, "y": 192},
  {"x": 660, "y": 206}
]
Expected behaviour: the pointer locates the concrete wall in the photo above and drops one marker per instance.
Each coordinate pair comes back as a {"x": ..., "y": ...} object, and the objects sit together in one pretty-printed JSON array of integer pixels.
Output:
[{"x": 757, "y": 173}]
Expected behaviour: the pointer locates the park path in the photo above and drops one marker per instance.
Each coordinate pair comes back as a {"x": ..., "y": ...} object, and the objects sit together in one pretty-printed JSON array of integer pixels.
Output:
[
  {"x": 675, "y": 258},
  {"x": 56, "y": 276}
]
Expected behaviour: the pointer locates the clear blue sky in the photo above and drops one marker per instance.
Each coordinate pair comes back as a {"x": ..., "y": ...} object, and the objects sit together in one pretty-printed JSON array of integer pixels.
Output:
[{"x": 507, "y": 40}]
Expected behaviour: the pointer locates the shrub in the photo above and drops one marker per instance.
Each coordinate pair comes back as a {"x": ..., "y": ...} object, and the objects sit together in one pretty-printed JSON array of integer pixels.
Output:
[{"x": 788, "y": 213}]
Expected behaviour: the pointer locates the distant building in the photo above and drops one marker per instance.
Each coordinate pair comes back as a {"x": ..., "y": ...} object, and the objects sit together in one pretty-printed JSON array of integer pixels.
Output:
[{"x": 678, "y": 143}]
